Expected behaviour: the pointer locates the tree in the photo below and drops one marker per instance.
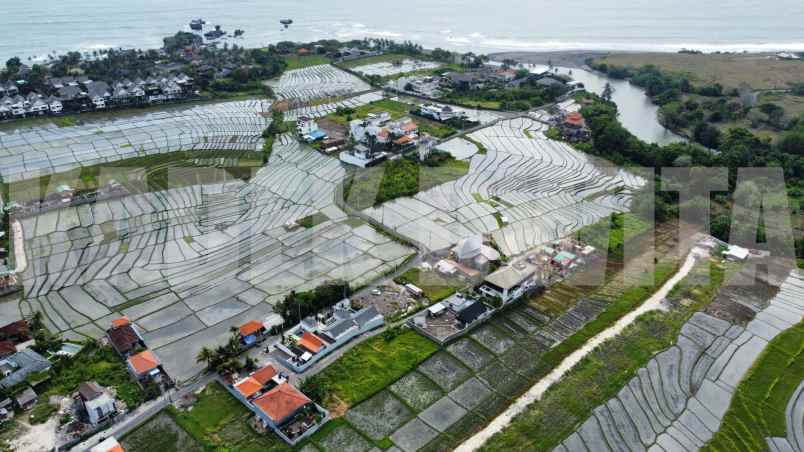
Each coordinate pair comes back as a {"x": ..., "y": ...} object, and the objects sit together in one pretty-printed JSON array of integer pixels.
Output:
[
  {"x": 607, "y": 92},
  {"x": 206, "y": 356},
  {"x": 13, "y": 65},
  {"x": 707, "y": 135},
  {"x": 774, "y": 112}
]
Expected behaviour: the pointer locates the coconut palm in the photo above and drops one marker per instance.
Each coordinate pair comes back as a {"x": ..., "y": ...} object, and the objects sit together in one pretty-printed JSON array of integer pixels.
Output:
[{"x": 205, "y": 355}]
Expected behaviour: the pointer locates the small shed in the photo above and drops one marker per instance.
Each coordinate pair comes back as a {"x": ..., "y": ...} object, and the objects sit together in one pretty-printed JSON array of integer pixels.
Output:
[{"x": 26, "y": 399}]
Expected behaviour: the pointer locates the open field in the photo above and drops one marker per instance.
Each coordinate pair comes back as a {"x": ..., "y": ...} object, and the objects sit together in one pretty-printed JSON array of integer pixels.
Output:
[
  {"x": 384, "y": 58},
  {"x": 395, "y": 67},
  {"x": 759, "y": 71}
]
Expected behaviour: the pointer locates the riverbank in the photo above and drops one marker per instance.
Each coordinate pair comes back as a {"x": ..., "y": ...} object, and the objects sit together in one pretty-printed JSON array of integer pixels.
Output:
[{"x": 564, "y": 58}]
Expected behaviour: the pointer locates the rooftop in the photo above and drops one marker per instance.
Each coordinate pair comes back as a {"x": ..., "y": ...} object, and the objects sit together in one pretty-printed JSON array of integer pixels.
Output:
[
  {"x": 281, "y": 402},
  {"x": 251, "y": 327},
  {"x": 144, "y": 362}
]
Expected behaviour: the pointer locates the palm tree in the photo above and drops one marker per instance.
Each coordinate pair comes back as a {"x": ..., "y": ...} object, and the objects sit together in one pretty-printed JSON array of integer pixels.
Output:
[{"x": 205, "y": 355}]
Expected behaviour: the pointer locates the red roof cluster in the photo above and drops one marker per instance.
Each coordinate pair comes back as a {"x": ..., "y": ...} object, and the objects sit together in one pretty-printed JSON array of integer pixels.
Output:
[{"x": 574, "y": 118}]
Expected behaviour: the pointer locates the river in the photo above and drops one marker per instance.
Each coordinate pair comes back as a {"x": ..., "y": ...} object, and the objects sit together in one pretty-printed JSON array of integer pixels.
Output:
[{"x": 637, "y": 113}]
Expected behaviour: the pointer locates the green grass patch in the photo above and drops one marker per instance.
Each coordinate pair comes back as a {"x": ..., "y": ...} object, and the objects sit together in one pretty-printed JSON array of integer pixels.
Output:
[
  {"x": 94, "y": 363},
  {"x": 435, "y": 286},
  {"x": 312, "y": 220},
  {"x": 602, "y": 373},
  {"x": 160, "y": 434},
  {"x": 611, "y": 236},
  {"x": 757, "y": 410},
  {"x": 42, "y": 412},
  {"x": 371, "y": 366},
  {"x": 299, "y": 61},
  {"x": 397, "y": 178},
  {"x": 218, "y": 421},
  {"x": 527, "y": 133},
  {"x": 481, "y": 149}
]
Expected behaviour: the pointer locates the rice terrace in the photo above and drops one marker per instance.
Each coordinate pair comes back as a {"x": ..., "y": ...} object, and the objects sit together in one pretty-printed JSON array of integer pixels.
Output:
[{"x": 371, "y": 246}]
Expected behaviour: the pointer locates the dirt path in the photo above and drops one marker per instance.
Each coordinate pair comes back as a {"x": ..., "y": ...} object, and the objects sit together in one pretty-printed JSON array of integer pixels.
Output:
[
  {"x": 536, "y": 391},
  {"x": 36, "y": 438}
]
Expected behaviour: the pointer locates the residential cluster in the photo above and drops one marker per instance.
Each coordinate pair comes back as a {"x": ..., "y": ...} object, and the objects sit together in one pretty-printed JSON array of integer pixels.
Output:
[
  {"x": 469, "y": 260},
  {"x": 143, "y": 365},
  {"x": 316, "y": 337},
  {"x": 80, "y": 94},
  {"x": 376, "y": 137},
  {"x": 278, "y": 405}
]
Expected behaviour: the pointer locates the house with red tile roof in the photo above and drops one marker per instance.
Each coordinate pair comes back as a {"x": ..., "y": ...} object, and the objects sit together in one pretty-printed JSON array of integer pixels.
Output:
[
  {"x": 252, "y": 332},
  {"x": 7, "y": 348},
  {"x": 146, "y": 368},
  {"x": 278, "y": 405},
  {"x": 258, "y": 382}
]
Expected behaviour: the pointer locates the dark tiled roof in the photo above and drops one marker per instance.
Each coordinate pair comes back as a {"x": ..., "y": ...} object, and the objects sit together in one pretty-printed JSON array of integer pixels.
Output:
[
  {"x": 17, "y": 328},
  {"x": 123, "y": 339},
  {"x": 90, "y": 390},
  {"x": 472, "y": 313}
]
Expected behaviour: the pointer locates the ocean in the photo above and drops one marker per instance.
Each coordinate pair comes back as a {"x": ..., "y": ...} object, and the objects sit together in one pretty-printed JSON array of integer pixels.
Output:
[{"x": 34, "y": 30}]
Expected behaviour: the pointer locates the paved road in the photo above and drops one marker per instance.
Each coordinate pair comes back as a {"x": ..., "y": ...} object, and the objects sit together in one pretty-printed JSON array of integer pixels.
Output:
[{"x": 144, "y": 412}]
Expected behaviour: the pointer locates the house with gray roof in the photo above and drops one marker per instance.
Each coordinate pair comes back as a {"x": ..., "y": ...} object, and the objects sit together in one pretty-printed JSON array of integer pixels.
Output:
[
  {"x": 316, "y": 337},
  {"x": 16, "y": 368}
]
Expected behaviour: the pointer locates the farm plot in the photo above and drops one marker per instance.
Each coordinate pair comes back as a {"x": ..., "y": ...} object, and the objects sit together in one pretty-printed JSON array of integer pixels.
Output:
[
  {"x": 315, "y": 82},
  {"x": 185, "y": 264},
  {"x": 525, "y": 191},
  {"x": 32, "y": 153},
  {"x": 452, "y": 393},
  {"x": 321, "y": 110},
  {"x": 677, "y": 401},
  {"x": 389, "y": 68}
]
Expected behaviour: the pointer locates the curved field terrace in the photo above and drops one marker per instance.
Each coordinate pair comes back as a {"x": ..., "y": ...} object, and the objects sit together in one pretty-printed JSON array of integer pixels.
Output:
[
  {"x": 525, "y": 191},
  {"x": 185, "y": 264},
  {"x": 315, "y": 82},
  {"x": 33, "y": 153}
]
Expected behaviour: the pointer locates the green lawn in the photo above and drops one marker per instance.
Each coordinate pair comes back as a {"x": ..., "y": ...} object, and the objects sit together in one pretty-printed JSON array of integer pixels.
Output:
[
  {"x": 435, "y": 286},
  {"x": 312, "y": 220},
  {"x": 93, "y": 363},
  {"x": 218, "y": 421},
  {"x": 757, "y": 410},
  {"x": 602, "y": 373},
  {"x": 299, "y": 62},
  {"x": 612, "y": 236},
  {"x": 397, "y": 178},
  {"x": 371, "y": 366}
]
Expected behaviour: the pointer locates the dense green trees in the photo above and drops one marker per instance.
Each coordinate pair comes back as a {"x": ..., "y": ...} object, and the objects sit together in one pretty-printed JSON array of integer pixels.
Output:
[{"x": 298, "y": 305}]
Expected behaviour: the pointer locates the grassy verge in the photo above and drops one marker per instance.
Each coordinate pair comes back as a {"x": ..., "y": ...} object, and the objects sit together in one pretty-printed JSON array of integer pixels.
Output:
[
  {"x": 757, "y": 410},
  {"x": 42, "y": 412},
  {"x": 602, "y": 373},
  {"x": 371, "y": 366},
  {"x": 312, "y": 220},
  {"x": 481, "y": 149}
]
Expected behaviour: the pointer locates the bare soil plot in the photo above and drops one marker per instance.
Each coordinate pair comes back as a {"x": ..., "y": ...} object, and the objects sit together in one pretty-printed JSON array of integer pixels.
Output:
[
  {"x": 416, "y": 390},
  {"x": 760, "y": 71},
  {"x": 445, "y": 370},
  {"x": 379, "y": 416}
]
